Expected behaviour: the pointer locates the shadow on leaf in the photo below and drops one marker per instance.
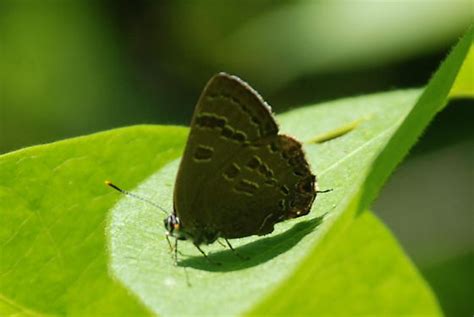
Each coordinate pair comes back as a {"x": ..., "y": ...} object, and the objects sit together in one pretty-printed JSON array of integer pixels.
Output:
[{"x": 259, "y": 251}]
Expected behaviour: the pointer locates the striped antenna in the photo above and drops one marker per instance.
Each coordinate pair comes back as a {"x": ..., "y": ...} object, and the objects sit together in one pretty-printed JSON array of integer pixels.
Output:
[{"x": 127, "y": 193}]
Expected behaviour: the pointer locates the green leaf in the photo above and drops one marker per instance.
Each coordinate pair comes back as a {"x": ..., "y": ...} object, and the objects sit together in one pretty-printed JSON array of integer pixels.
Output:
[
  {"x": 433, "y": 100},
  {"x": 136, "y": 233},
  {"x": 464, "y": 85},
  {"x": 364, "y": 272},
  {"x": 53, "y": 211},
  {"x": 58, "y": 256}
]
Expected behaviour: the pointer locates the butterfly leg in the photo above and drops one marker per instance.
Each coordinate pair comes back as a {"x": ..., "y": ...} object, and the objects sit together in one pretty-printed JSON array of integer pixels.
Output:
[
  {"x": 169, "y": 242},
  {"x": 205, "y": 255},
  {"x": 243, "y": 257},
  {"x": 221, "y": 243},
  {"x": 175, "y": 251}
]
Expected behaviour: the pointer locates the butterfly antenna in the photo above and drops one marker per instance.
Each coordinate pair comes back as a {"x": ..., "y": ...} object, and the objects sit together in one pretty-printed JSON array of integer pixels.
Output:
[{"x": 127, "y": 193}]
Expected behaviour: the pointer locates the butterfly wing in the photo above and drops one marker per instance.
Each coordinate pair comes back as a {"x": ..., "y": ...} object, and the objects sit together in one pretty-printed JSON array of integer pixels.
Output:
[
  {"x": 228, "y": 114},
  {"x": 268, "y": 182},
  {"x": 217, "y": 192}
]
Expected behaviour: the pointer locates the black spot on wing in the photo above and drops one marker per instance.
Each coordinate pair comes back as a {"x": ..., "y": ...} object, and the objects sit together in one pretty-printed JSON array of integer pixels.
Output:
[{"x": 203, "y": 153}]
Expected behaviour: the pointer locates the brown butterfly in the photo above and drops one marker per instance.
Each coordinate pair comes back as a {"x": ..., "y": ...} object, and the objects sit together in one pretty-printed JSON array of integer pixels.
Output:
[{"x": 238, "y": 177}]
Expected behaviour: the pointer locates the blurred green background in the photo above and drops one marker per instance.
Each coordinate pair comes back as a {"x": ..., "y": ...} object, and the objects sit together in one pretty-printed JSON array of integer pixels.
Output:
[{"x": 69, "y": 68}]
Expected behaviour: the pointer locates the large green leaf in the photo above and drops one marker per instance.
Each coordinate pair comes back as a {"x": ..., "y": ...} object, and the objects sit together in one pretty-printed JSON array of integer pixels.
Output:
[
  {"x": 54, "y": 255},
  {"x": 140, "y": 254},
  {"x": 53, "y": 211}
]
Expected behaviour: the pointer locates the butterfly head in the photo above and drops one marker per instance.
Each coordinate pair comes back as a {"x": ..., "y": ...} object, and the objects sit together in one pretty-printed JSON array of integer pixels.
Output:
[{"x": 173, "y": 227}]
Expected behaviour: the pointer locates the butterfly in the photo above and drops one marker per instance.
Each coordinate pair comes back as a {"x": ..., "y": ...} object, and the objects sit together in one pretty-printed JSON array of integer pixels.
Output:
[{"x": 238, "y": 176}]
